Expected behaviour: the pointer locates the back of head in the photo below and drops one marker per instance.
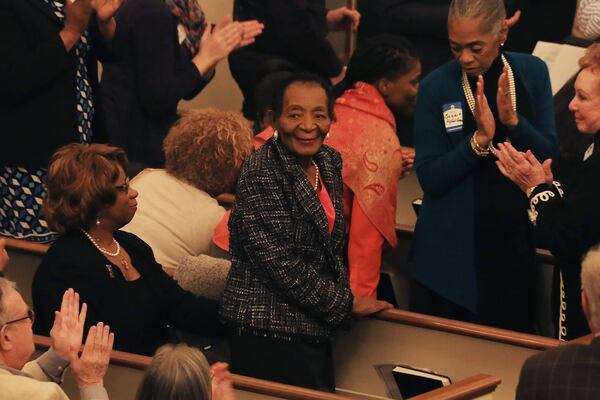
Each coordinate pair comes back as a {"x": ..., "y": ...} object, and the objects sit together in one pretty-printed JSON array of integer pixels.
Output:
[
  {"x": 383, "y": 56},
  {"x": 491, "y": 12},
  {"x": 590, "y": 283},
  {"x": 206, "y": 149},
  {"x": 80, "y": 184},
  {"x": 177, "y": 372}
]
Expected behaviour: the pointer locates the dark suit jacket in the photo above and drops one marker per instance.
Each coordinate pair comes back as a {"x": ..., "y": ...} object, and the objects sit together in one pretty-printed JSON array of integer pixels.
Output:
[
  {"x": 37, "y": 84},
  {"x": 287, "y": 277},
  {"x": 150, "y": 74},
  {"x": 568, "y": 372},
  {"x": 295, "y": 31}
]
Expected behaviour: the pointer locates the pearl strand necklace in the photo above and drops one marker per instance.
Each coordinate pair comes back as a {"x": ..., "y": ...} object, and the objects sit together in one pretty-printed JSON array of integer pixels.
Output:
[
  {"x": 316, "y": 184},
  {"x": 511, "y": 89},
  {"x": 106, "y": 252}
]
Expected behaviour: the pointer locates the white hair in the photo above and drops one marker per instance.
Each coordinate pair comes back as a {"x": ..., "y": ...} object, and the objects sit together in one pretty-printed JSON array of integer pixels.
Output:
[
  {"x": 492, "y": 12},
  {"x": 590, "y": 283},
  {"x": 5, "y": 284}
]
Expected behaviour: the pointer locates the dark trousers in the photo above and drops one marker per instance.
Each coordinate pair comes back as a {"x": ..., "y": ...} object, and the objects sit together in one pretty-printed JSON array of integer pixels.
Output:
[{"x": 295, "y": 363}]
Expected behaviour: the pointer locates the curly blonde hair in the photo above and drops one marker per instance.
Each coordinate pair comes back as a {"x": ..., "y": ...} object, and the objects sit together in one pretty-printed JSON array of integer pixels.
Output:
[
  {"x": 206, "y": 148},
  {"x": 591, "y": 58},
  {"x": 80, "y": 184}
]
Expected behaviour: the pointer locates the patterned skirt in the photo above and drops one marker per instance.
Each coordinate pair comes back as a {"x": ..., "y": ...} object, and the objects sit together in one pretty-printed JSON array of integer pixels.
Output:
[{"x": 22, "y": 192}]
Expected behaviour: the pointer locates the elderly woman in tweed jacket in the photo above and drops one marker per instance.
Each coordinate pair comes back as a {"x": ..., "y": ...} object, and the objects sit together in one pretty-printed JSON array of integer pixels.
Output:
[{"x": 288, "y": 287}]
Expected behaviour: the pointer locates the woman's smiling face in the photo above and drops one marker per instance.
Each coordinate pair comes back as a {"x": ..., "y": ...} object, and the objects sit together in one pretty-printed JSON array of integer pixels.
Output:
[{"x": 304, "y": 120}]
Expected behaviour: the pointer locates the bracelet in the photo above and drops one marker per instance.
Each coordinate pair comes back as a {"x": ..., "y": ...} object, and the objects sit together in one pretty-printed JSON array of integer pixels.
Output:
[{"x": 480, "y": 151}]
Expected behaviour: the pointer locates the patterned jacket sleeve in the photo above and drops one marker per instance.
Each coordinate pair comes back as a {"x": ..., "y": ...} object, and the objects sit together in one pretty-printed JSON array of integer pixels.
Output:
[
  {"x": 266, "y": 225},
  {"x": 560, "y": 225}
]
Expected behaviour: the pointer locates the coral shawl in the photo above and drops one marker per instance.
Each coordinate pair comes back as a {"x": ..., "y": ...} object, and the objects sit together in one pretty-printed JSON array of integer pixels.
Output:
[{"x": 365, "y": 135}]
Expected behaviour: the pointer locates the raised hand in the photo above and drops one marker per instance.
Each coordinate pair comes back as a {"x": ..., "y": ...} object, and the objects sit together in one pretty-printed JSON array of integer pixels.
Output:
[
  {"x": 408, "y": 160},
  {"x": 506, "y": 113},
  {"x": 67, "y": 330},
  {"x": 106, "y": 9},
  {"x": 363, "y": 306},
  {"x": 339, "y": 17},
  {"x": 522, "y": 168},
  {"x": 77, "y": 15},
  {"x": 216, "y": 44},
  {"x": 90, "y": 368},
  {"x": 512, "y": 21},
  {"x": 3, "y": 255},
  {"x": 250, "y": 30},
  {"x": 486, "y": 126},
  {"x": 222, "y": 389}
]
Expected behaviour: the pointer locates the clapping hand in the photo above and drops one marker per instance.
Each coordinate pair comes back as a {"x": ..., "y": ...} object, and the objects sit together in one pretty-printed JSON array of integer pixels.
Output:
[
  {"x": 339, "y": 17},
  {"x": 77, "y": 15},
  {"x": 408, "y": 160},
  {"x": 90, "y": 368},
  {"x": 506, "y": 111},
  {"x": 67, "y": 331},
  {"x": 3, "y": 255},
  {"x": 486, "y": 126},
  {"x": 523, "y": 168},
  {"x": 106, "y": 9},
  {"x": 222, "y": 388}
]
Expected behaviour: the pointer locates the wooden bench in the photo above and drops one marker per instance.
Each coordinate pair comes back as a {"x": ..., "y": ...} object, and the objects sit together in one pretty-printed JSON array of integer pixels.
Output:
[
  {"x": 460, "y": 350},
  {"x": 457, "y": 349},
  {"x": 126, "y": 371}
]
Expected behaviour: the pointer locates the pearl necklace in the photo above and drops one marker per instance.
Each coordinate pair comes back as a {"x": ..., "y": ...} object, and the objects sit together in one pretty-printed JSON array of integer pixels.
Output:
[
  {"x": 511, "y": 88},
  {"x": 316, "y": 184},
  {"x": 104, "y": 251}
]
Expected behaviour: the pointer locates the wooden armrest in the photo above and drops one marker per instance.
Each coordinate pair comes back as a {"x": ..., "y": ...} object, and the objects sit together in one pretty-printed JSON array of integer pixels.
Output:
[
  {"x": 587, "y": 339},
  {"x": 245, "y": 383},
  {"x": 467, "y": 329},
  {"x": 468, "y": 388},
  {"x": 23, "y": 246}
]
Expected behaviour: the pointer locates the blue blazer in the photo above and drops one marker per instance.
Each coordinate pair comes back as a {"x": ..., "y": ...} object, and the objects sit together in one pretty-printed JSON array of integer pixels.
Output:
[{"x": 442, "y": 253}]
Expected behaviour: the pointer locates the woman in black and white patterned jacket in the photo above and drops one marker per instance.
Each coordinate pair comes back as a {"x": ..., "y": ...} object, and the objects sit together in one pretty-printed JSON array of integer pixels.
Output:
[{"x": 288, "y": 289}]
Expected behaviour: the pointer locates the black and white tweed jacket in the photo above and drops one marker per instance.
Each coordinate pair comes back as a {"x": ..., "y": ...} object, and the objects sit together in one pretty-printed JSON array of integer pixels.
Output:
[{"x": 287, "y": 278}]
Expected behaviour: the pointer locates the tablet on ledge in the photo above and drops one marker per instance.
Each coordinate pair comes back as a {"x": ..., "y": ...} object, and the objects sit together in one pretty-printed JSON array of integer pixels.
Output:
[{"x": 404, "y": 381}]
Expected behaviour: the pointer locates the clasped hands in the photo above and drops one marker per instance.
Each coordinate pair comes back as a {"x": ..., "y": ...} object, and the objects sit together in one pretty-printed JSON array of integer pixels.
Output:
[
  {"x": 66, "y": 336},
  {"x": 486, "y": 125}
]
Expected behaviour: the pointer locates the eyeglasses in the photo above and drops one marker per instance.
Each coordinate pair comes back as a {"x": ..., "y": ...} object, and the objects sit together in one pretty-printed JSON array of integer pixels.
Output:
[
  {"x": 124, "y": 187},
  {"x": 30, "y": 315}
]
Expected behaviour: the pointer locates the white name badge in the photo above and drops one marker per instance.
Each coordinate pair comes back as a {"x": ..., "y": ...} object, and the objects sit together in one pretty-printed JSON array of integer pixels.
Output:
[{"x": 453, "y": 116}]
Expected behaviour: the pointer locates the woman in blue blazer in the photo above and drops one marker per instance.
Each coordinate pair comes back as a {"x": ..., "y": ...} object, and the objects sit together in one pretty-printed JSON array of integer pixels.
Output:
[{"x": 473, "y": 254}]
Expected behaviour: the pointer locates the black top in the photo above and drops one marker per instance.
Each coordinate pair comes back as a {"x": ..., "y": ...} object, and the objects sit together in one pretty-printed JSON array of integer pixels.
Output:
[
  {"x": 150, "y": 75},
  {"x": 137, "y": 311},
  {"x": 295, "y": 31},
  {"x": 423, "y": 22},
  {"x": 38, "y": 84},
  {"x": 569, "y": 226}
]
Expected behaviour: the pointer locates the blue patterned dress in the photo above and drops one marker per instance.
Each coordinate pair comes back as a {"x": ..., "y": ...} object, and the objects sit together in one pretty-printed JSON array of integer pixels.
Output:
[{"x": 22, "y": 188}]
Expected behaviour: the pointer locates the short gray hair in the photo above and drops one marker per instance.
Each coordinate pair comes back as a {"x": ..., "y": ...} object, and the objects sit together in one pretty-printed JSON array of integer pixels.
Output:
[
  {"x": 590, "y": 283},
  {"x": 177, "y": 372},
  {"x": 492, "y": 12},
  {"x": 4, "y": 285}
]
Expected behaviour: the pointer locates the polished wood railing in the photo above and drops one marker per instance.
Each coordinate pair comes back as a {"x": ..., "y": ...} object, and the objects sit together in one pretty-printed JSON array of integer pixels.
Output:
[{"x": 469, "y": 388}]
